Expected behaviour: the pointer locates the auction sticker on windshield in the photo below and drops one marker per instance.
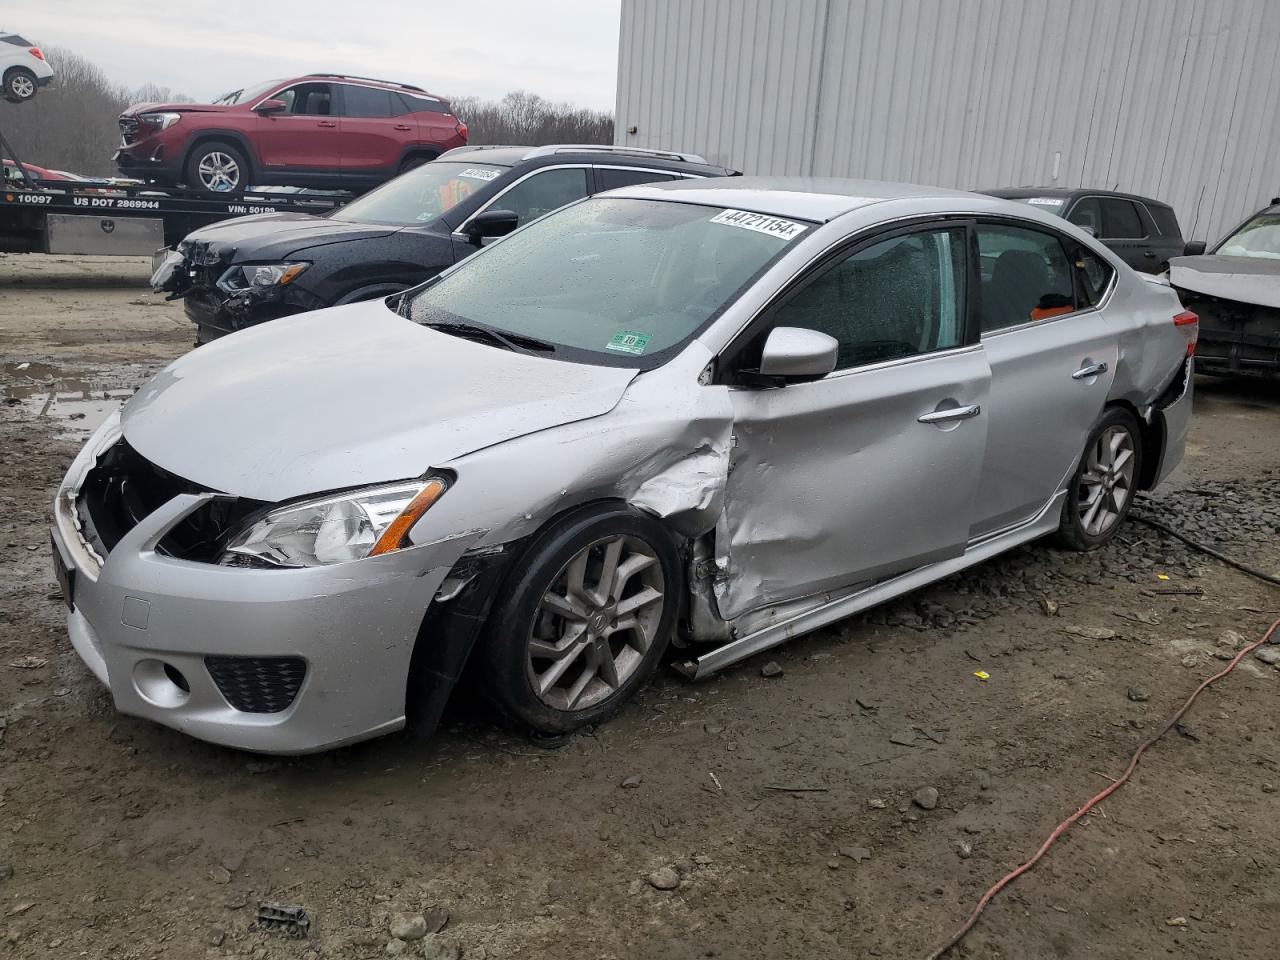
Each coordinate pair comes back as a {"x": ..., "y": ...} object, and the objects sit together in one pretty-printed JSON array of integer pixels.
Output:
[
  {"x": 478, "y": 173},
  {"x": 761, "y": 223},
  {"x": 628, "y": 341}
]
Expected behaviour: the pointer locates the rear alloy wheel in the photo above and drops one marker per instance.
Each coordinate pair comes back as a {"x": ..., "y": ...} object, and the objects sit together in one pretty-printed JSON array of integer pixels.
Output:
[
  {"x": 586, "y": 620},
  {"x": 19, "y": 85},
  {"x": 217, "y": 169},
  {"x": 1102, "y": 488}
]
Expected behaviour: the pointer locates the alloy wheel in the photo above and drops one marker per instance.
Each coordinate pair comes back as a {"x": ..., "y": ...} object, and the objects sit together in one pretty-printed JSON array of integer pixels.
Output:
[
  {"x": 595, "y": 623},
  {"x": 1106, "y": 482},
  {"x": 23, "y": 87},
  {"x": 219, "y": 172}
]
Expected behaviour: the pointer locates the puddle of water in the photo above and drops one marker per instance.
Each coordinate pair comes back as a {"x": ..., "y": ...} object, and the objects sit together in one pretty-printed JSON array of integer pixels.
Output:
[{"x": 77, "y": 405}]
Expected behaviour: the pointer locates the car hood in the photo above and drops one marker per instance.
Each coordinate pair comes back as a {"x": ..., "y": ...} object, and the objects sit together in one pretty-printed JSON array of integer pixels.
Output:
[
  {"x": 153, "y": 107},
  {"x": 1253, "y": 280},
  {"x": 267, "y": 235},
  {"x": 345, "y": 397}
]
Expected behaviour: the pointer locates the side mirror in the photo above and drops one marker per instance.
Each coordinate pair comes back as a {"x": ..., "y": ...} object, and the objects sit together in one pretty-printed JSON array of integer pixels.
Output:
[
  {"x": 1194, "y": 248},
  {"x": 490, "y": 224},
  {"x": 797, "y": 355},
  {"x": 271, "y": 106},
  {"x": 1087, "y": 229}
]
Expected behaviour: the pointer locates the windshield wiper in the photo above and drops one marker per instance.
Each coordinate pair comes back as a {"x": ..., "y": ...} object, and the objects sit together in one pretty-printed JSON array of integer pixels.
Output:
[{"x": 508, "y": 341}]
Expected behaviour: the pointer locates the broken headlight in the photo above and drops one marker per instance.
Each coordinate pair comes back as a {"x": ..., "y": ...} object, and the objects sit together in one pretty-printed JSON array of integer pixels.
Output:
[
  {"x": 338, "y": 529},
  {"x": 261, "y": 276}
]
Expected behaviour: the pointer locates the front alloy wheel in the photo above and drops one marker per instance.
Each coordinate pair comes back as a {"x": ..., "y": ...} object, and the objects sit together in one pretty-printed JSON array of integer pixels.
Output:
[
  {"x": 218, "y": 172},
  {"x": 583, "y": 619},
  {"x": 595, "y": 623}
]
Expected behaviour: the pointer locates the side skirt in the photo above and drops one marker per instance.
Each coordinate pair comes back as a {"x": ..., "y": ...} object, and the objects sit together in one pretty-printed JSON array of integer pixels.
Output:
[{"x": 1045, "y": 522}]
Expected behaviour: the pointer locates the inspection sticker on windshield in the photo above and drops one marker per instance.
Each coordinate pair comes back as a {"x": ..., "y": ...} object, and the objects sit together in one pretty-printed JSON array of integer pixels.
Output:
[
  {"x": 475, "y": 173},
  {"x": 628, "y": 341},
  {"x": 760, "y": 223},
  {"x": 1045, "y": 201}
]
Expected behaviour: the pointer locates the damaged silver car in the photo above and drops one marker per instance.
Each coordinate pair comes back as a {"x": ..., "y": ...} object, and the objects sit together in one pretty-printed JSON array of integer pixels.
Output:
[{"x": 708, "y": 415}]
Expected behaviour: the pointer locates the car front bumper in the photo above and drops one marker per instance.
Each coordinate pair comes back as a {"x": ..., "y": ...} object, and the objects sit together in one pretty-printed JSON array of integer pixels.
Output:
[
  {"x": 146, "y": 160},
  {"x": 145, "y": 624}
]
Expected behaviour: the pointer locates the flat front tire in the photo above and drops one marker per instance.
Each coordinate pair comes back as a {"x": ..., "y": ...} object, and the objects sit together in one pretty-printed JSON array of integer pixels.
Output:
[
  {"x": 583, "y": 619},
  {"x": 1102, "y": 488}
]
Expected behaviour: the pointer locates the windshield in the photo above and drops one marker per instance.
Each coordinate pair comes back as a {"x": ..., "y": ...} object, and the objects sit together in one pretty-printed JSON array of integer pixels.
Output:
[
  {"x": 610, "y": 281},
  {"x": 245, "y": 94},
  {"x": 422, "y": 194},
  {"x": 1260, "y": 237}
]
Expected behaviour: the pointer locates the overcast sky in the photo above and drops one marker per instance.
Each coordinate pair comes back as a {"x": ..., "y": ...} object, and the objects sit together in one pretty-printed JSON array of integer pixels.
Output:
[{"x": 559, "y": 49}]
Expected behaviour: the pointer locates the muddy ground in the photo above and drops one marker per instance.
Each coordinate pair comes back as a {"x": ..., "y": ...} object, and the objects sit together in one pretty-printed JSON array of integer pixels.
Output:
[{"x": 123, "y": 839}]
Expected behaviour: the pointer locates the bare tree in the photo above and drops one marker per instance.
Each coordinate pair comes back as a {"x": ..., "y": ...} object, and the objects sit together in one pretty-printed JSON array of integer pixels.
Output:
[{"x": 526, "y": 118}]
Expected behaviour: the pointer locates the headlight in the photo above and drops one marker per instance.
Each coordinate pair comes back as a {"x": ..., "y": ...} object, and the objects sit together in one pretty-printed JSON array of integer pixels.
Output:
[
  {"x": 338, "y": 529},
  {"x": 160, "y": 121},
  {"x": 260, "y": 276}
]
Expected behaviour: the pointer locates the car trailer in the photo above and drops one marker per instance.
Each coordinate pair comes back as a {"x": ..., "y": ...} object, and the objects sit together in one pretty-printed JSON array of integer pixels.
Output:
[{"x": 87, "y": 217}]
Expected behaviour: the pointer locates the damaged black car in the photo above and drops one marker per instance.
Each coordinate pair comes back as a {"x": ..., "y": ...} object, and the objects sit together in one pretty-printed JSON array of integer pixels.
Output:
[
  {"x": 246, "y": 271},
  {"x": 1235, "y": 290}
]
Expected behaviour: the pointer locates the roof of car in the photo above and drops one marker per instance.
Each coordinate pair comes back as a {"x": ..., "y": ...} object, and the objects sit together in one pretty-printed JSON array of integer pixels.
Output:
[
  {"x": 808, "y": 198},
  {"x": 508, "y": 156},
  {"x": 1014, "y": 193}
]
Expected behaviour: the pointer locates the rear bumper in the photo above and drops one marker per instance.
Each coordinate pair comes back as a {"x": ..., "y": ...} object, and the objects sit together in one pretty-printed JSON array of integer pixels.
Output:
[
  {"x": 145, "y": 624},
  {"x": 1174, "y": 412}
]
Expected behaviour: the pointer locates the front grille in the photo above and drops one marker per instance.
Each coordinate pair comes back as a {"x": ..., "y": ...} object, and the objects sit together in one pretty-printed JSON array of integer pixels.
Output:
[
  {"x": 123, "y": 488},
  {"x": 258, "y": 684},
  {"x": 128, "y": 129}
]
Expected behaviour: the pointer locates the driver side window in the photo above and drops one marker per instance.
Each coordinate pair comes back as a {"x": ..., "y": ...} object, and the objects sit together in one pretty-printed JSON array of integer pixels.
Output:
[
  {"x": 311, "y": 99},
  {"x": 901, "y": 297},
  {"x": 544, "y": 192}
]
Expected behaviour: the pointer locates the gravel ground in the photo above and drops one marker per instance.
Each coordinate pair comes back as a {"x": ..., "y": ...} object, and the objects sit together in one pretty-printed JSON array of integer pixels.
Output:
[{"x": 848, "y": 795}]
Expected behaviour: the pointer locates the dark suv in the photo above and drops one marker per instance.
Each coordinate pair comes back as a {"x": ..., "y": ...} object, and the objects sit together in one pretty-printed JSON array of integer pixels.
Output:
[
  {"x": 323, "y": 130},
  {"x": 1144, "y": 233},
  {"x": 241, "y": 272}
]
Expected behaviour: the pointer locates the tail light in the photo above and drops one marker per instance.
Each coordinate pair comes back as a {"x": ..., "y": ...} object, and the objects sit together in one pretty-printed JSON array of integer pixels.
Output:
[
  {"x": 36, "y": 52},
  {"x": 462, "y": 130},
  {"x": 1189, "y": 324}
]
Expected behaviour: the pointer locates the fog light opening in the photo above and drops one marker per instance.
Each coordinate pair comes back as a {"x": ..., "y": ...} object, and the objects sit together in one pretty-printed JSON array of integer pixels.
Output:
[
  {"x": 160, "y": 684},
  {"x": 174, "y": 674}
]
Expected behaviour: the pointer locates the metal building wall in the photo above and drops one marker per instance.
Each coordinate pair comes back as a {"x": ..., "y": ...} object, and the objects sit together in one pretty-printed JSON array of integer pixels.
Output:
[{"x": 1174, "y": 99}]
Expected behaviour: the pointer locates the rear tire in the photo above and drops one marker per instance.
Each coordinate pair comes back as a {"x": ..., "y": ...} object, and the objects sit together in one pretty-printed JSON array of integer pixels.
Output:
[
  {"x": 19, "y": 84},
  {"x": 568, "y": 642},
  {"x": 217, "y": 169},
  {"x": 1102, "y": 487}
]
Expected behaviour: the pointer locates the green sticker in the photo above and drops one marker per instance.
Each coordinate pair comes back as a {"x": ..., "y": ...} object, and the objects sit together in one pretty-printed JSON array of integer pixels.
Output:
[{"x": 628, "y": 341}]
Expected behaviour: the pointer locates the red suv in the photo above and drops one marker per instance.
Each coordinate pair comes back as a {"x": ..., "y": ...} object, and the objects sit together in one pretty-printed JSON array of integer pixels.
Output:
[{"x": 323, "y": 130}]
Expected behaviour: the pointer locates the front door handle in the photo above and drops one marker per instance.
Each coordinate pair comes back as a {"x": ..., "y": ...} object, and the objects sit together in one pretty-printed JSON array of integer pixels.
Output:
[
  {"x": 1089, "y": 370},
  {"x": 326, "y": 123},
  {"x": 954, "y": 413}
]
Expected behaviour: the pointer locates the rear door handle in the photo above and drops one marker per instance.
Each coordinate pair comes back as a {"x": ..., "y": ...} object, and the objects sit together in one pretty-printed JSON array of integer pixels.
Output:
[
  {"x": 326, "y": 123},
  {"x": 405, "y": 126},
  {"x": 1150, "y": 254},
  {"x": 954, "y": 413},
  {"x": 1089, "y": 370}
]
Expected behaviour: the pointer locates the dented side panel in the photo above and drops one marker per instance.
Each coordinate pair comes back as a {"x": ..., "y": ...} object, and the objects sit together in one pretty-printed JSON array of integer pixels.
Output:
[{"x": 838, "y": 481}]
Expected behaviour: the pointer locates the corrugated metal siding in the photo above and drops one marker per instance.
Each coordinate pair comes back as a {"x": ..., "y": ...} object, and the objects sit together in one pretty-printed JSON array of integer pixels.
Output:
[{"x": 1174, "y": 99}]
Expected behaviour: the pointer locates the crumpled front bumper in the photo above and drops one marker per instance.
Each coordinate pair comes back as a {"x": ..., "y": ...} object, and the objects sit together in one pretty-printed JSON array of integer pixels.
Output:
[{"x": 355, "y": 626}]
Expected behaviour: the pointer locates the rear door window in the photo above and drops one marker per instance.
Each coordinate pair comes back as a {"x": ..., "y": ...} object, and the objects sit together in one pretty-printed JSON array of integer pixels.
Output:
[
  {"x": 1092, "y": 277},
  {"x": 1025, "y": 276},
  {"x": 366, "y": 102},
  {"x": 609, "y": 177}
]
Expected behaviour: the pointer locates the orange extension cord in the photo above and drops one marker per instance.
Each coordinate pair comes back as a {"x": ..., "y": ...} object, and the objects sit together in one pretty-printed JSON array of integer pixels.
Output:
[{"x": 1061, "y": 828}]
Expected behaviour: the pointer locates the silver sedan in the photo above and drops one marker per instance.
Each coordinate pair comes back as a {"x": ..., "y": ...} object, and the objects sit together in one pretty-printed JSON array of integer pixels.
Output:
[{"x": 706, "y": 415}]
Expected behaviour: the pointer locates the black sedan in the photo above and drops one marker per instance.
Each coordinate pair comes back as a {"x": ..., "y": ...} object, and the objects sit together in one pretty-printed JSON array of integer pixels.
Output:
[{"x": 242, "y": 272}]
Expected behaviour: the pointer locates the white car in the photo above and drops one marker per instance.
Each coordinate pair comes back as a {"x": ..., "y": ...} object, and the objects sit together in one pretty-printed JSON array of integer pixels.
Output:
[{"x": 23, "y": 67}]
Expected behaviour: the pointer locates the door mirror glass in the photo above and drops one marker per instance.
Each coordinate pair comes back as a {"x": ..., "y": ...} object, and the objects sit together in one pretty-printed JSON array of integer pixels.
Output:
[
  {"x": 1194, "y": 248},
  {"x": 797, "y": 355},
  {"x": 491, "y": 223},
  {"x": 272, "y": 106}
]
